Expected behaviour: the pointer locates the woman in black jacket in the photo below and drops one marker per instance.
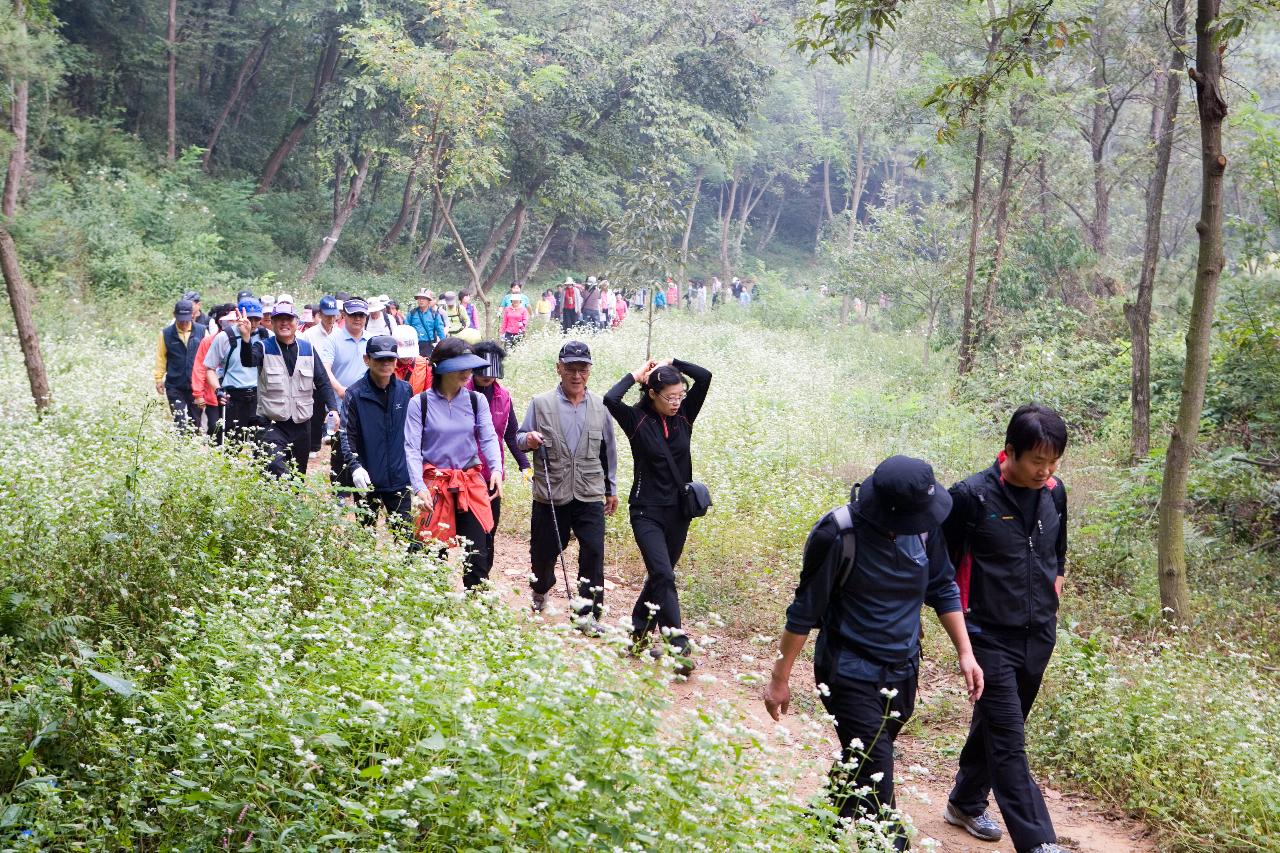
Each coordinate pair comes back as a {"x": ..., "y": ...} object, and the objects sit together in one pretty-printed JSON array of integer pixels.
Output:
[{"x": 663, "y": 416}]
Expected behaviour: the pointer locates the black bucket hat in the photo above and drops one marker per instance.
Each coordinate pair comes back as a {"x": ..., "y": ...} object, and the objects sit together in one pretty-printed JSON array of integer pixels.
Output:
[{"x": 903, "y": 497}]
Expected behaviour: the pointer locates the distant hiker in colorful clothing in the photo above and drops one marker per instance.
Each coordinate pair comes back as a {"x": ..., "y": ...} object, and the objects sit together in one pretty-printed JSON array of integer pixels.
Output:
[
  {"x": 175, "y": 356},
  {"x": 411, "y": 367},
  {"x": 515, "y": 319},
  {"x": 290, "y": 378},
  {"x": 1007, "y": 532},
  {"x": 204, "y": 393},
  {"x": 235, "y": 384},
  {"x": 570, "y": 304},
  {"x": 427, "y": 321},
  {"x": 868, "y": 566},
  {"x": 575, "y": 476}
]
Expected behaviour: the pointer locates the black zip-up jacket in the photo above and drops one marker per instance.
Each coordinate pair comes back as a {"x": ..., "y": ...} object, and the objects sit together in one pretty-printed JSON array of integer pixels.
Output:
[
  {"x": 653, "y": 484},
  {"x": 1011, "y": 584}
]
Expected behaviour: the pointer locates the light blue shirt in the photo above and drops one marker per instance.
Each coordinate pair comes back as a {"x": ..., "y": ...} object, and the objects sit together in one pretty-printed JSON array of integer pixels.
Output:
[
  {"x": 235, "y": 375},
  {"x": 348, "y": 357}
]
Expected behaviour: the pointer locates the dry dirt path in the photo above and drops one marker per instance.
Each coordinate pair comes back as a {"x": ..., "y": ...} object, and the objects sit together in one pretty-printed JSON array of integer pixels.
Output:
[{"x": 923, "y": 767}]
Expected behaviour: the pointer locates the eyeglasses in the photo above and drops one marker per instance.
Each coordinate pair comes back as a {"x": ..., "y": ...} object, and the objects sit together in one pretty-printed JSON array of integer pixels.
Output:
[
  {"x": 674, "y": 401},
  {"x": 576, "y": 368}
]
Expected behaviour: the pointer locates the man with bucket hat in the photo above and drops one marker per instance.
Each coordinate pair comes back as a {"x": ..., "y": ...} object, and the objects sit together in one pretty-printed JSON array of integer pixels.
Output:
[
  {"x": 290, "y": 378},
  {"x": 868, "y": 566}
]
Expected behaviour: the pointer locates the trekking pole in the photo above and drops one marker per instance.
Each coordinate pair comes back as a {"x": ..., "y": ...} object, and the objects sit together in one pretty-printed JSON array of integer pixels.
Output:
[{"x": 542, "y": 454}]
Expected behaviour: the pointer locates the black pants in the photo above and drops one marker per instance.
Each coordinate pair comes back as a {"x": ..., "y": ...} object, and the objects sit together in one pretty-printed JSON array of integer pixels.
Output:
[
  {"x": 317, "y": 429},
  {"x": 583, "y": 519},
  {"x": 594, "y": 319},
  {"x": 568, "y": 319},
  {"x": 475, "y": 568},
  {"x": 864, "y": 713},
  {"x": 213, "y": 423},
  {"x": 994, "y": 757},
  {"x": 339, "y": 474},
  {"x": 182, "y": 405},
  {"x": 660, "y": 532},
  {"x": 287, "y": 442},
  {"x": 495, "y": 505},
  {"x": 397, "y": 504},
  {"x": 241, "y": 416}
]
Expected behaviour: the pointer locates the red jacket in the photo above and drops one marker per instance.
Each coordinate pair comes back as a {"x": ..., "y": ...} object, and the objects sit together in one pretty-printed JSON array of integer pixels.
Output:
[
  {"x": 452, "y": 491},
  {"x": 200, "y": 389}
]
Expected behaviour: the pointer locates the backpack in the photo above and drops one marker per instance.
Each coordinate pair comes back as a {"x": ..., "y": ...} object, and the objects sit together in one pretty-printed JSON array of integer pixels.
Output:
[
  {"x": 964, "y": 566},
  {"x": 843, "y": 516}
]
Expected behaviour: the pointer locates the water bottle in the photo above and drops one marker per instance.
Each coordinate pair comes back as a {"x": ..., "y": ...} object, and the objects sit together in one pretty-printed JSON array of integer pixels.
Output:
[{"x": 330, "y": 426}]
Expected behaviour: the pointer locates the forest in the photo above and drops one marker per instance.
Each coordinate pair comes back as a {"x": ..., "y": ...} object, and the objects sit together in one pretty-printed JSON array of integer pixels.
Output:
[{"x": 947, "y": 208}]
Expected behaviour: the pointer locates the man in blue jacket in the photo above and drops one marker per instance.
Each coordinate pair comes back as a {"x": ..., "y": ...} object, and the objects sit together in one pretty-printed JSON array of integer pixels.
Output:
[
  {"x": 427, "y": 322},
  {"x": 372, "y": 445},
  {"x": 867, "y": 568}
]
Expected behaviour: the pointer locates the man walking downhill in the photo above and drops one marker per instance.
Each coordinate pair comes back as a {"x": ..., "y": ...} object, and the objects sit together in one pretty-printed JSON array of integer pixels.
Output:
[
  {"x": 581, "y": 461},
  {"x": 868, "y": 567},
  {"x": 372, "y": 443},
  {"x": 319, "y": 338},
  {"x": 235, "y": 384},
  {"x": 347, "y": 368},
  {"x": 570, "y": 304},
  {"x": 427, "y": 322},
  {"x": 289, "y": 375},
  {"x": 1007, "y": 533},
  {"x": 175, "y": 356}
]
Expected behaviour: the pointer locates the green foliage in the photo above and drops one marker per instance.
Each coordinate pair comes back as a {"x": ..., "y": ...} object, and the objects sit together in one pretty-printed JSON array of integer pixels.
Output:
[
  {"x": 1241, "y": 397},
  {"x": 1186, "y": 736}
]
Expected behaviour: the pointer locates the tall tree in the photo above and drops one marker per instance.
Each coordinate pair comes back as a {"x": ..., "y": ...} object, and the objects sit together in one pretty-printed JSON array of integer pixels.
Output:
[
  {"x": 1164, "y": 115},
  {"x": 1175, "y": 596},
  {"x": 326, "y": 70}
]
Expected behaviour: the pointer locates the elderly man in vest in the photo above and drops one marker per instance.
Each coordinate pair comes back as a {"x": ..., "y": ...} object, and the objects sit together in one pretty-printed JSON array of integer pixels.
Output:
[
  {"x": 574, "y": 478},
  {"x": 175, "y": 356},
  {"x": 291, "y": 377}
]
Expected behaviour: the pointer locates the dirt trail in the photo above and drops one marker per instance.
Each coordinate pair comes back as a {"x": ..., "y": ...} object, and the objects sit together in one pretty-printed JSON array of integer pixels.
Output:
[{"x": 925, "y": 772}]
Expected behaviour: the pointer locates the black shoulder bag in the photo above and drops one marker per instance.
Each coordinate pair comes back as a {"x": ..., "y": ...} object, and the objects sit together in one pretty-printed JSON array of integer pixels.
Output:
[{"x": 695, "y": 498}]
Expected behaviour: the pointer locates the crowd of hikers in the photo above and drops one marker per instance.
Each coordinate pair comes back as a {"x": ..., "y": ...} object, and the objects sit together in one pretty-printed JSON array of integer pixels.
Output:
[{"x": 420, "y": 426}]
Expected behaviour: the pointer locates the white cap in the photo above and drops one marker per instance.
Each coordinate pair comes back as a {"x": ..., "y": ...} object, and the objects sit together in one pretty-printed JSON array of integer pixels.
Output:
[
  {"x": 406, "y": 341},
  {"x": 377, "y": 303},
  {"x": 284, "y": 297}
]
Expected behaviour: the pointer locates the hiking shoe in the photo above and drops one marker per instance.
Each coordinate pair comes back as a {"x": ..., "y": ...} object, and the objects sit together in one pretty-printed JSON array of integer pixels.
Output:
[
  {"x": 539, "y": 602},
  {"x": 981, "y": 826},
  {"x": 588, "y": 625},
  {"x": 1049, "y": 847},
  {"x": 685, "y": 666}
]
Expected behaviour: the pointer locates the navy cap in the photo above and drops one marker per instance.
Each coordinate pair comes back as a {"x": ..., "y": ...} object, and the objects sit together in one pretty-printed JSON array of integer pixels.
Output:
[
  {"x": 193, "y": 295},
  {"x": 250, "y": 306},
  {"x": 183, "y": 310},
  {"x": 382, "y": 347},
  {"x": 328, "y": 306},
  {"x": 903, "y": 497},
  {"x": 244, "y": 294},
  {"x": 356, "y": 306},
  {"x": 575, "y": 351}
]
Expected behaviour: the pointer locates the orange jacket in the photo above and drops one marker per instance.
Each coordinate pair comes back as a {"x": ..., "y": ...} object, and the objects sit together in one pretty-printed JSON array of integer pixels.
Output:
[
  {"x": 452, "y": 491},
  {"x": 418, "y": 375},
  {"x": 199, "y": 384}
]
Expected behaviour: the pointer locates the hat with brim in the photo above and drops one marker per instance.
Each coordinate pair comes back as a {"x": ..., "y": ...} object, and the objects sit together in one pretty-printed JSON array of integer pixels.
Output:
[
  {"x": 283, "y": 309},
  {"x": 903, "y": 497},
  {"x": 183, "y": 310},
  {"x": 381, "y": 347},
  {"x": 466, "y": 361}
]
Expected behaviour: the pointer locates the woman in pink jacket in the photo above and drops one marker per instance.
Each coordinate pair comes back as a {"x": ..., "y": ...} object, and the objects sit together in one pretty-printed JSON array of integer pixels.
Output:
[{"x": 515, "y": 319}]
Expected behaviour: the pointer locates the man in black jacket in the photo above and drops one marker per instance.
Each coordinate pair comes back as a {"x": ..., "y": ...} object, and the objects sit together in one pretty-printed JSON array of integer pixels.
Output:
[
  {"x": 1007, "y": 532},
  {"x": 867, "y": 569},
  {"x": 372, "y": 444}
]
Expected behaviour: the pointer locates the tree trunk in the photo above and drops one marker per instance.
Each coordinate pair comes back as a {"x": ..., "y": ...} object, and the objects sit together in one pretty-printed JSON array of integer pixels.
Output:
[
  {"x": 726, "y": 217},
  {"x": 406, "y": 209},
  {"x": 21, "y": 301},
  {"x": 971, "y": 271},
  {"x": 247, "y": 68},
  {"x": 1042, "y": 175},
  {"x": 325, "y": 70},
  {"x": 348, "y": 207},
  {"x": 1171, "y": 554},
  {"x": 688, "y": 221},
  {"x": 18, "y": 153},
  {"x": 826, "y": 190},
  {"x": 987, "y": 319},
  {"x": 767, "y": 236},
  {"x": 504, "y": 260},
  {"x": 1164, "y": 114},
  {"x": 860, "y": 171},
  {"x": 541, "y": 250},
  {"x": 417, "y": 216},
  {"x": 172, "y": 90},
  {"x": 433, "y": 234},
  {"x": 339, "y": 172}
]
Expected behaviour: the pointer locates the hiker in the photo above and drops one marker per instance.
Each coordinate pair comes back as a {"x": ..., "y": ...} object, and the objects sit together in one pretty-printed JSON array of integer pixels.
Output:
[
  {"x": 394, "y": 312},
  {"x": 290, "y": 378},
  {"x": 469, "y": 311},
  {"x": 233, "y": 383},
  {"x": 569, "y": 303},
  {"x": 454, "y": 320},
  {"x": 673, "y": 293},
  {"x": 867, "y": 568},
  {"x": 175, "y": 356},
  {"x": 321, "y": 340},
  {"x": 411, "y": 367},
  {"x": 1007, "y": 532},
  {"x": 514, "y": 294},
  {"x": 515, "y": 319},
  {"x": 503, "y": 413},
  {"x": 660, "y": 428},
  {"x": 372, "y": 442},
  {"x": 198, "y": 315},
  {"x": 545, "y": 307},
  {"x": 349, "y": 343},
  {"x": 445, "y": 426},
  {"x": 427, "y": 321},
  {"x": 592, "y": 308},
  {"x": 620, "y": 309},
  {"x": 379, "y": 322},
  {"x": 206, "y": 394},
  {"x": 575, "y": 482}
]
